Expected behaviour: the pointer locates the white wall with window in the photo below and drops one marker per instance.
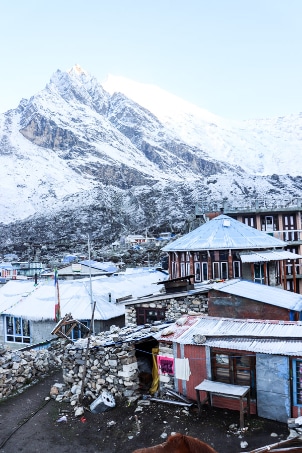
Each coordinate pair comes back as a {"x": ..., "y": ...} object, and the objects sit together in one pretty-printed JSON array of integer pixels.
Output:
[{"x": 17, "y": 330}]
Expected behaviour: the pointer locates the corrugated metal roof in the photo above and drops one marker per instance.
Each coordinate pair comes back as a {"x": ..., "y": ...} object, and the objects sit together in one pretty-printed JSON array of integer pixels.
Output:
[
  {"x": 106, "y": 266},
  {"x": 272, "y": 255},
  {"x": 264, "y": 346},
  {"x": 223, "y": 232},
  {"x": 261, "y": 293},
  {"x": 223, "y": 329},
  {"x": 175, "y": 330}
]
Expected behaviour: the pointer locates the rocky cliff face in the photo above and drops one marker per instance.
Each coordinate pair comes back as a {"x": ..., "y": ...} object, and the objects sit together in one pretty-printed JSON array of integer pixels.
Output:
[{"x": 75, "y": 158}]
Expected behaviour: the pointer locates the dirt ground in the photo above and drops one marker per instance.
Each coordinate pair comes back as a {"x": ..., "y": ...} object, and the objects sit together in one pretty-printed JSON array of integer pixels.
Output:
[{"x": 29, "y": 423}]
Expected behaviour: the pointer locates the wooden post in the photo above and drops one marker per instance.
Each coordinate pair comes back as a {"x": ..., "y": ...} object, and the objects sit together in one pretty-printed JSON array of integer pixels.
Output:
[
  {"x": 265, "y": 272},
  {"x": 294, "y": 276},
  {"x": 86, "y": 355},
  {"x": 284, "y": 274}
]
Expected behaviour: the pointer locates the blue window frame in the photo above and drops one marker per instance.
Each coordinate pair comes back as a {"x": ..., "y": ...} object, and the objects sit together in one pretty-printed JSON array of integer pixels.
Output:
[
  {"x": 17, "y": 330},
  {"x": 297, "y": 382},
  {"x": 78, "y": 331}
]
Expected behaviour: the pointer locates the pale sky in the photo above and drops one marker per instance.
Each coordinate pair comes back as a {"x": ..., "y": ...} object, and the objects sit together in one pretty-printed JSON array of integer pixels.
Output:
[{"x": 239, "y": 59}]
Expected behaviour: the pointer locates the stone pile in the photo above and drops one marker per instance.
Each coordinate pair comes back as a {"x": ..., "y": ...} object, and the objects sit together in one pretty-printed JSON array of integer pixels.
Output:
[
  {"x": 19, "y": 368},
  {"x": 108, "y": 364}
]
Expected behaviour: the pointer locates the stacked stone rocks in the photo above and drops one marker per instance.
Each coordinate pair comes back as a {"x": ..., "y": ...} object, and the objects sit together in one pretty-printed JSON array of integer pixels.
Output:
[
  {"x": 103, "y": 367},
  {"x": 19, "y": 368},
  {"x": 174, "y": 307}
]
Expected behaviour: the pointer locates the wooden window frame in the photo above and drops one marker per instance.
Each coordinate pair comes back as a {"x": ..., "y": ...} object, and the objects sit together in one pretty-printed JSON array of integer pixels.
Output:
[
  {"x": 143, "y": 315},
  {"x": 231, "y": 372}
]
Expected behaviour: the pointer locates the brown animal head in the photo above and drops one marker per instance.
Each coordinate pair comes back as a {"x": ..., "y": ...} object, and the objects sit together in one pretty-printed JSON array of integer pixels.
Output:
[{"x": 179, "y": 443}]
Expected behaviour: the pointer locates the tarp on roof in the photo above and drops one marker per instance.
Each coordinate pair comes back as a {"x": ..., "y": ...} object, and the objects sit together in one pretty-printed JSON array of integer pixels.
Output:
[
  {"x": 269, "y": 255},
  {"x": 223, "y": 233}
]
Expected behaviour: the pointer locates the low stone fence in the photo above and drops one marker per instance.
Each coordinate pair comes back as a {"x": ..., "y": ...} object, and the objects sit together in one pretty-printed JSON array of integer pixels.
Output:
[{"x": 19, "y": 368}]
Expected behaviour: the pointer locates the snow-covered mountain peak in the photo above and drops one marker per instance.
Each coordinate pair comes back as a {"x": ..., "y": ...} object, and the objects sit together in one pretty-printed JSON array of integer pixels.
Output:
[
  {"x": 260, "y": 147},
  {"x": 161, "y": 103},
  {"x": 78, "y": 88},
  {"x": 125, "y": 156},
  {"x": 77, "y": 70}
]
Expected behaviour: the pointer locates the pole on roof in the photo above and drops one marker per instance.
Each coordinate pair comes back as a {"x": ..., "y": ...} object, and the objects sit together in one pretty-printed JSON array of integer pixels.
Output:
[
  {"x": 86, "y": 355},
  {"x": 90, "y": 286}
]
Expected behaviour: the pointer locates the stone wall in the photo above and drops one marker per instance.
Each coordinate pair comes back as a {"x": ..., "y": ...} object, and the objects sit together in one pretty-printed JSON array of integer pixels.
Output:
[
  {"x": 175, "y": 307},
  {"x": 19, "y": 368},
  {"x": 166, "y": 381},
  {"x": 111, "y": 368}
]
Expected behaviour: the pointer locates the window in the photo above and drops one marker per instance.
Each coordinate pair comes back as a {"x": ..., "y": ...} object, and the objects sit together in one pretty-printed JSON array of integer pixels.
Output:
[
  {"x": 250, "y": 221},
  {"x": 182, "y": 269},
  {"x": 187, "y": 268},
  {"x": 205, "y": 274},
  {"x": 259, "y": 273},
  {"x": 78, "y": 331},
  {"x": 236, "y": 269},
  {"x": 200, "y": 269},
  {"x": 149, "y": 315},
  {"x": 268, "y": 223},
  {"x": 17, "y": 329},
  {"x": 220, "y": 270},
  {"x": 216, "y": 270},
  {"x": 297, "y": 382},
  {"x": 235, "y": 368},
  {"x": 224, "y": 270},
  {"x": 197, "y": 272},
  {"x": 174, "y": 269}
]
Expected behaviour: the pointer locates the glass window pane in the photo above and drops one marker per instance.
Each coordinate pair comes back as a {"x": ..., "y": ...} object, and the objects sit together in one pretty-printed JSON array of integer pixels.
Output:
[
  {"x": 224, "y": 270},
  {"x": 205, "y": 271},
  {"x": 216, "y": 270},
  {"x": 197, "y": 272}
]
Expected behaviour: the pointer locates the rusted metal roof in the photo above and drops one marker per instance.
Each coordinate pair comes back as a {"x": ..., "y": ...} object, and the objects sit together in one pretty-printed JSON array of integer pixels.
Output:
[
  {"x": 223, "y": 233},
  {"x": 261, "y": 293},
  {"x": 268, "y": 337}
]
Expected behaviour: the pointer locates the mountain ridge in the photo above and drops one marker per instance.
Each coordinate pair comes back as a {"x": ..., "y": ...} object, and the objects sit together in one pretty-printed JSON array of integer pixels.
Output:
[{"x": 117, "y": 167}]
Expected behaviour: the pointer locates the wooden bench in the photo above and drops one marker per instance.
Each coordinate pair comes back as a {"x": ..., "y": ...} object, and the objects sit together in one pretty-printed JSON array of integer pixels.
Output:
[{"x": 240, "y": 392}]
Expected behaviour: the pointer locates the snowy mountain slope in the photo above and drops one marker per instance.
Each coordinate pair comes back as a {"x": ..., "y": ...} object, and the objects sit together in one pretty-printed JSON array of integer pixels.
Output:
[
  {"x": 31, "y": 178},
  {"x": 73, "y": 135},
  {"x": 76, "y": 158},
  {"x": 260, "y": 147}
]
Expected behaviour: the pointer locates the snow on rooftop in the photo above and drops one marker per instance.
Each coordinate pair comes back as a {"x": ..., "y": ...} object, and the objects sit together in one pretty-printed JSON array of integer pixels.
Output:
[
  {"x": 25, "y": 299},
  {"x": 223, "y": 232}
]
